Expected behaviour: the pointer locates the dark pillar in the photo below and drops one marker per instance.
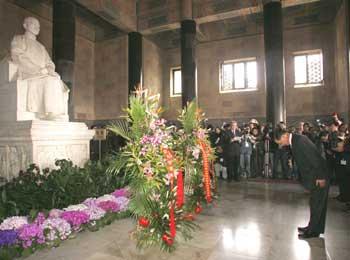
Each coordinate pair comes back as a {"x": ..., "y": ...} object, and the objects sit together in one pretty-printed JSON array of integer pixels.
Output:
[
  {"x": 347, "y": 37},
  {"x": 135, "y": 60},
  {"x": 274, "y": 63},
  {"x": 63, "y": 51},
  {"x": 188, "y": 62}
]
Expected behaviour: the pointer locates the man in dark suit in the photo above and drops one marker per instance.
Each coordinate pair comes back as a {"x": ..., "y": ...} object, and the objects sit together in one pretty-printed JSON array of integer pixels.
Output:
[
  {"x": 314, "y": 175},
  {"x": 231, "y": 140}
]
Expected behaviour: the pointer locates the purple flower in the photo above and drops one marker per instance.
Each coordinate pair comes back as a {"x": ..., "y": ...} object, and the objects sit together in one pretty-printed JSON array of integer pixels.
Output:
[
  {"x": 57, "y": 228},
  {"x": 121, "y": 193},
  {"x": 13, "y": 223},
  {"x": 8, "y": 238},
  {"x": 109, "y": 206},
  {"x": 75, "y": 218},
  {"x": 123, "y": 203},
  {"x": 40, "y": 218},
  {"x": 30, "y": 233}
]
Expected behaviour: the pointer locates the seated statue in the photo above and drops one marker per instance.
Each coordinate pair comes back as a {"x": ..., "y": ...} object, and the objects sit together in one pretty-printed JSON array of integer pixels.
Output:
[{"x": 47, "y": 95}]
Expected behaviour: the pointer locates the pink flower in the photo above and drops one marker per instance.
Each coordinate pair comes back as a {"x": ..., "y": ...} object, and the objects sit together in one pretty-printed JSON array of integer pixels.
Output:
[
  {"x": 196, "y": 152},
  {"x": 55, "y": 213},
  {"x": 155, "y": 197},
  {"x": 40, "y": 218},
  {"x": 143, "y": 151},
  {"x": 200, "y": 133},
  {"x": 30, "y": 233},
  {"x": 75, "y": 218},
  {"x": 120, "y": 193},
  {"x": 148, "y": 171},
  {"x": 109, "y": 206}
]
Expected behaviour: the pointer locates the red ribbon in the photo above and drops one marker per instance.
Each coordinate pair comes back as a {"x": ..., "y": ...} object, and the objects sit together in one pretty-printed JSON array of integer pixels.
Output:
[
  {"x": 180, "y": 190},
  {"x": 206, "y": 171},
  {"x": 180, "y": 183},
  {"x": 168, "y": 157}
]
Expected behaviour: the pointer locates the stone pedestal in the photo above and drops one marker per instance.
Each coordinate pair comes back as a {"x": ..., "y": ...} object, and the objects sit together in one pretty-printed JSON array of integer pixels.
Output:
[{"x": 42, "y": 142}]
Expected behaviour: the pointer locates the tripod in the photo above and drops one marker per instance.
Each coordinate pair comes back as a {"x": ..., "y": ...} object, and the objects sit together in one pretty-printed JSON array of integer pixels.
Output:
[{"x": 267, "y": 167}]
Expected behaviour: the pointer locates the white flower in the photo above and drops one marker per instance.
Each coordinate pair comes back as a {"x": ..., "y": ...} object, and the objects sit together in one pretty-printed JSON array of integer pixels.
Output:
[
  {"x": 77, "y": 207},
  {"x": 13, "y": 223},
  {"x": 106, "y": 197}
]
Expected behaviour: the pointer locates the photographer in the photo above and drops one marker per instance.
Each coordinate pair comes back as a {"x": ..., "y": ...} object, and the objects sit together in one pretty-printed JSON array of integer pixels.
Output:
[
  {"x": 342, "y": 168},
  {"x": 258, "y": 153},
  {"x": 246, "y": 151},
  {"x": 330, "y": 151},
  {"x": 217, "y": 142}
]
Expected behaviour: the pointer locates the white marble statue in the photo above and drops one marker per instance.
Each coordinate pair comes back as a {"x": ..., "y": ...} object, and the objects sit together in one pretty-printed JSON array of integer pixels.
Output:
[{"x": 47, "y": 95}]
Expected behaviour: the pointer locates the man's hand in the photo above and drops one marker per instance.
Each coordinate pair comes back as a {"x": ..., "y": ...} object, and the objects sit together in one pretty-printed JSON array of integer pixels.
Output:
[{"x": 321, "y": 183}]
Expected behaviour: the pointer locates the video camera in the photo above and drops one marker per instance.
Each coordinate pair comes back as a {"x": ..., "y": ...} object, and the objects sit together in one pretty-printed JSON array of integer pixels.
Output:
[{"x": 319, "y": 124}]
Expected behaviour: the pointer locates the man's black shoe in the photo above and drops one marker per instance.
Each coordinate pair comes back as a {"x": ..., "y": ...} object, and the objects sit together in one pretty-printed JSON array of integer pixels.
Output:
[
  {"x": 341, "y": 199},
  {"x": 308, "y": 235},
  {"x": 302, "y": 229}
]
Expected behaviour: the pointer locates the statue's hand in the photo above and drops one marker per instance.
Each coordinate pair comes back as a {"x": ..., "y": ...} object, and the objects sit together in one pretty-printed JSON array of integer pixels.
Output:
[
  {"x": 44, "y": 71},
  {"x": 54, "y": 74}
]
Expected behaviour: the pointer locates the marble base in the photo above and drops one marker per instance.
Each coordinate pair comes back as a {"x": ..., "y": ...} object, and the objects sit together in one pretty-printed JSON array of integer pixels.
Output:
[{"x": 42, "y": 142}]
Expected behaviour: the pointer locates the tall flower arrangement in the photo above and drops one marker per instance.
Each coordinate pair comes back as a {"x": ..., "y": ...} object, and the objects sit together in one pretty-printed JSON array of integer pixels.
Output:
[
  {"x": 197, "y": 154},
  {"x": 157, "y": 160}
]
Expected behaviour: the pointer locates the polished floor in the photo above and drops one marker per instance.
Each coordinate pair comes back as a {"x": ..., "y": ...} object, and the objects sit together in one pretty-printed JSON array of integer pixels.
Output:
[{"x": 251, "y": 221}]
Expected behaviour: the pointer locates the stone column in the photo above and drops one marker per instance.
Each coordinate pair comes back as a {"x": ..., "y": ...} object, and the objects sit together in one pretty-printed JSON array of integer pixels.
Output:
[
  {"x": 63, "y": 49},
  {"x": 274, "y": 63},
  {"x": 135, "y": 60},
  {"x": 347, "y": 17},
  {"x": 188, "y": 60}
]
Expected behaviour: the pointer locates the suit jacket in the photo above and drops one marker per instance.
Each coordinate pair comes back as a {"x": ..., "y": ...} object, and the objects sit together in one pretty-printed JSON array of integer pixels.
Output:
[
  {"x": 309, "y": 160},
  {"x": 231, "y": 148}
]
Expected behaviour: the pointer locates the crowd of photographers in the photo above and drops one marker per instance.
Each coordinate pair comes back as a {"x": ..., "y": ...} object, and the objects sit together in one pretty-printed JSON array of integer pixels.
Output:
[{"x": 249, "y": 151}]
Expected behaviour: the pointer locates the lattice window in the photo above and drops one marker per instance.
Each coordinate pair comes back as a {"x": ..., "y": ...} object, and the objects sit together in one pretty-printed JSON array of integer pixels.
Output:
[
  {"x": 239, "y": 75},
  {"x": 176, "y": 82},
  {"x": 308, "y": 69}
]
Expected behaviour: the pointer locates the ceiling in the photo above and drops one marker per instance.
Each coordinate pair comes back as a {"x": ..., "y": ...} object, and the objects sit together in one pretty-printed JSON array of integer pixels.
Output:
[
  {"x": 159, "y": 20},
  {"x": 246, "y": 21}
]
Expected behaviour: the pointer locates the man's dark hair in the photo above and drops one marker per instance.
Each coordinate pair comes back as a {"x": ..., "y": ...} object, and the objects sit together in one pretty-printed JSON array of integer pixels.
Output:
[
  {"x": 323, "y": 134},
  {"x": 227, "y": 125},
  {"x": 279, "y": 132}
]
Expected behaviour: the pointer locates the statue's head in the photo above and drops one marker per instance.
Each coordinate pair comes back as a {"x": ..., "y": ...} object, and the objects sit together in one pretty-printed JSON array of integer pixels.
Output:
[{"x": 32, "y": 25}]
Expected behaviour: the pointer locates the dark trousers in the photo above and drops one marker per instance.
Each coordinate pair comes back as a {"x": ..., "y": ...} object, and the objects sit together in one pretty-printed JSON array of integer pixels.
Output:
[
  {"x": 232, "y": 167},
  {"x": 343, "y": 180},
  {"x": 282, "y": 156},
  {"x": 257, "y": 163},
  {"x": 318, "y": 209}
]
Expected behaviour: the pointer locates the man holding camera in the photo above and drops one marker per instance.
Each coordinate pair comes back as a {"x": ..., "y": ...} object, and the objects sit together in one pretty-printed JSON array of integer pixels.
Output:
[{"x": 314, "y": 176}]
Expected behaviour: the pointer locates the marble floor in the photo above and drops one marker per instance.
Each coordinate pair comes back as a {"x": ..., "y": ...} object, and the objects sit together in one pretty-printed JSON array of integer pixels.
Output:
[{"x": 251, "y": 221}]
